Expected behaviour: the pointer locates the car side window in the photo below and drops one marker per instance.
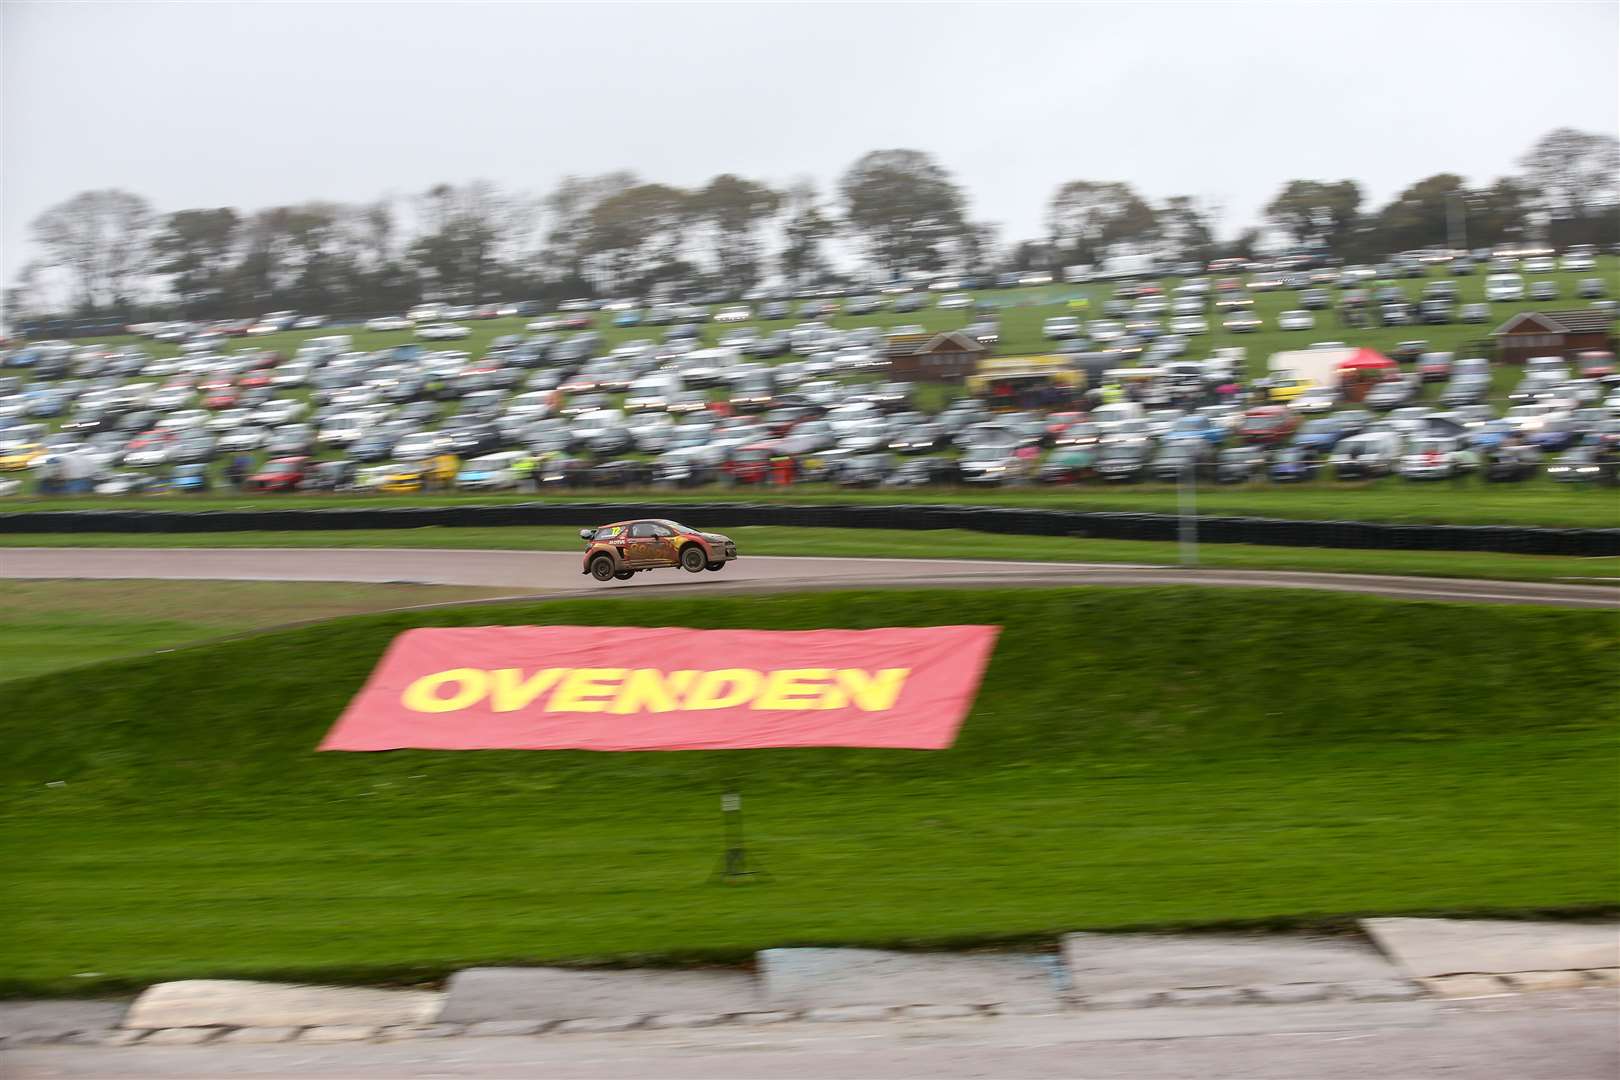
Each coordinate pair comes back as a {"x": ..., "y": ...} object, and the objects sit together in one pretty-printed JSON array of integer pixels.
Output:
[
  {"x": 643, "y": 530},
  {"x": 608, "y": 534},
  {"x": 660, "y": 530}
]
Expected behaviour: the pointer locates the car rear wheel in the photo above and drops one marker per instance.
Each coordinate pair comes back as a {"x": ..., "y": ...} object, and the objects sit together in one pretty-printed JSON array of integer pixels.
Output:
[
  {"x": 602, "y": 568},
  {"x": 693, "y": 559}
]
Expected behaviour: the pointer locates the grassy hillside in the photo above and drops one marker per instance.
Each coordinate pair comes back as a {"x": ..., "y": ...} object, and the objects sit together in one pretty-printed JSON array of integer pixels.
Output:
[{"x": 1136, "y": 758}]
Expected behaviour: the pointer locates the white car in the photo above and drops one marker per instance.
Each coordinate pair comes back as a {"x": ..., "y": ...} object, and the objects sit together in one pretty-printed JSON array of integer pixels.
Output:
[
  {"x": 733, "y": 315},
  {"x": 425, "y": 313},
  {"x": 442, "y": 332},
  {"x": 242, "y": 439},
  {"x": 543, "y": 324},
  {"x": 1540, "y": 265},
  {"x": 1189, "y": 324},
  {"x": 1296, "y": 320},
  {"x": 1315, "y": 401},
  {"x": 492, "y": 472},
  {"x": 389, "y": 323},
  {"x": 955, "y": 301},
  {"x": 1504, "y": 288},
  {"x": 148, "y": 456},
  {"x": 1580, "y": 261}
]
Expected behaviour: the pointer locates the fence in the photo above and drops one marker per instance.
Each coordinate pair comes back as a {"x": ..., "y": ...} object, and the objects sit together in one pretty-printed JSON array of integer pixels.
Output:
[{"x": 992, "y": 521}]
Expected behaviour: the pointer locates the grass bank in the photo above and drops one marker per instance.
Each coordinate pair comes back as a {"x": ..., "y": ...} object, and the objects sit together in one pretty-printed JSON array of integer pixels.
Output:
[{"x": 1144, "y": 757}]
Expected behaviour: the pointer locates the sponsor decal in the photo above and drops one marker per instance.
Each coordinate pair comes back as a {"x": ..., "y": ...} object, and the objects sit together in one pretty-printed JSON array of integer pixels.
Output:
[{"x": 667, "y": 688}]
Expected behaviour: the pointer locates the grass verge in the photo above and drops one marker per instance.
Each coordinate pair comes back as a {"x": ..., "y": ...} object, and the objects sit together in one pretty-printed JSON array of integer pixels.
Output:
[
  {"x": 894, "y": 543},
  {"x": 51, "y": 625},
  {"x": 1209, "y": 757}
]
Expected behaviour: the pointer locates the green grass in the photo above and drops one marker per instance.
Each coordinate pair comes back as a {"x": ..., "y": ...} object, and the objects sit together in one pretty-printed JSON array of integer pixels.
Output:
[
  {"x": 890, "y": 543},
  {"x": 1541, "y": 502},
  {"x": 51, "y": 625},
  {"x": 1136, "y": 758}
]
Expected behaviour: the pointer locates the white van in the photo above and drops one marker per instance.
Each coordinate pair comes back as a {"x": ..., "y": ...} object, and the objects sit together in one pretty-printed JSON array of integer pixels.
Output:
[{"x": 1502, "y": 288}]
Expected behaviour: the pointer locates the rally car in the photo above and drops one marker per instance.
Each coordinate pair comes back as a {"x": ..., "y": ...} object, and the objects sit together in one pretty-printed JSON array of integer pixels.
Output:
[{"x": 624, "y": 548}]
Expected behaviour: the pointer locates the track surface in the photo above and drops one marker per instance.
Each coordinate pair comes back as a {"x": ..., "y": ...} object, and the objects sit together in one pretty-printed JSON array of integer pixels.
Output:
[{"x": 554, "y": 573}]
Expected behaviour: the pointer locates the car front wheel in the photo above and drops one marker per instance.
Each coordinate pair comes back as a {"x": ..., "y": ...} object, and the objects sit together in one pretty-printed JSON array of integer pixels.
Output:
[
  {"x": 693, "y": 559},
  {"x": 715, "y": 566},
  {"x": 602, "y": 568}
]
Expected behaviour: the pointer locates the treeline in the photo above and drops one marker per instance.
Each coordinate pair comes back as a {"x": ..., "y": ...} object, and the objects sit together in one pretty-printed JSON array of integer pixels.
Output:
[{"x": 110, "y": 252}]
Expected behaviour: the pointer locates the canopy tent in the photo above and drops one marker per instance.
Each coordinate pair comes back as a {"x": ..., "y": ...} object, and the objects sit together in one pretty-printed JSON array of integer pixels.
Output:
[{"x": 1363, "y": 370}]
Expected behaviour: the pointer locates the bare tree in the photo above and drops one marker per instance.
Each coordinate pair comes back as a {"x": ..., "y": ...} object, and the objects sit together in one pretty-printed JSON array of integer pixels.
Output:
[
  {"x": 1574, "y": 173},
  {"x": 102, "y": 239}
]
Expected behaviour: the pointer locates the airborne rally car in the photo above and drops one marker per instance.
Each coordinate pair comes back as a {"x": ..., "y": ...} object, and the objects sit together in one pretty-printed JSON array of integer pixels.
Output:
[{"x": 624, "y": 548}]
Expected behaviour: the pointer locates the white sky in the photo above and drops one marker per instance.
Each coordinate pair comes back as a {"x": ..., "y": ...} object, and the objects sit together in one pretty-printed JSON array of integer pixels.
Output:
[{"x": 253, "y": 104}]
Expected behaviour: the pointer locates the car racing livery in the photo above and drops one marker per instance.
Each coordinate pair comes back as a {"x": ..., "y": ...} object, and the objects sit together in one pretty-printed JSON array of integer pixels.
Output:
[{"x": 625, "y": 548}]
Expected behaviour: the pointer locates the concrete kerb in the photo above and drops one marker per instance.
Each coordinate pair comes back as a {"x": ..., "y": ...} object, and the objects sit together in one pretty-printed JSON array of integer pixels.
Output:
[{"x": 1453, "y": 987}]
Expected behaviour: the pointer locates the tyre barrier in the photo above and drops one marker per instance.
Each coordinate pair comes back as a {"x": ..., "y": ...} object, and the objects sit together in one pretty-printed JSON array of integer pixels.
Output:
[{"x": 1100, "y": 525}]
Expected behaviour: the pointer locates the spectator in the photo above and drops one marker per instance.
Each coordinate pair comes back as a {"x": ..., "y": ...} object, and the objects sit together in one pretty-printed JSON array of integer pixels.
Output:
[{"x": 237, "y": 470}]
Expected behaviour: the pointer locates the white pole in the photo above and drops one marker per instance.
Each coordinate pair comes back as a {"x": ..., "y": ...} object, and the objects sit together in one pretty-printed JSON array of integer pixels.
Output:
[{"x": 1188, "y": 492}]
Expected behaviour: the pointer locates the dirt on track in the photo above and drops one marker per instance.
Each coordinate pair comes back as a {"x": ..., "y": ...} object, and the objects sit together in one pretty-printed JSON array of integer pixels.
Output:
[{"x": 557, "y": 573}]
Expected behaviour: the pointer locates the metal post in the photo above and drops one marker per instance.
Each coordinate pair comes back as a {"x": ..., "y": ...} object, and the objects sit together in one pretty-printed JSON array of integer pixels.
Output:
[{"x": 1188, "y": 500}]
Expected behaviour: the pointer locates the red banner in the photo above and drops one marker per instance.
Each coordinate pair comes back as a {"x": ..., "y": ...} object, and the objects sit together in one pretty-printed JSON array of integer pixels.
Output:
[{"x": 667, "y": 688}]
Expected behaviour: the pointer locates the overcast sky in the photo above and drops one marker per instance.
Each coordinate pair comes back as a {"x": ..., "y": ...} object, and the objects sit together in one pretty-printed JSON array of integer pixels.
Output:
[{"x": 252, "y": 104}]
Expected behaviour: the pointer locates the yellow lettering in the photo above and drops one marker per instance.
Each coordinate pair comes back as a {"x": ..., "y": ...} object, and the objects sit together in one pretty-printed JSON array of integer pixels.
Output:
[
  {"x": 650, "y": 690},
  {"x": 585, "y": 690},
  {"x": 796, "y": 688},
  {"x": 873, "y": 692},
  {"x": 423, "y": 694},
  {"x": 510, "y": 691},
  {"x": 740, "y": 684}
]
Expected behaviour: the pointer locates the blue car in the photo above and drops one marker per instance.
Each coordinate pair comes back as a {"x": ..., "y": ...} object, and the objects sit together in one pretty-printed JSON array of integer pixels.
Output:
[
  {"x": 1320, "y": 435},
  {"x": 189, "y": 478},
  {"x": 627, "y": 318},
  {"x": 1293, "y": 464}
]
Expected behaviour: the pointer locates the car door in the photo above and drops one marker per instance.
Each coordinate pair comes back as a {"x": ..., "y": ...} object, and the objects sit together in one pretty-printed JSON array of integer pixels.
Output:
[{"x": 649, "y": 544}]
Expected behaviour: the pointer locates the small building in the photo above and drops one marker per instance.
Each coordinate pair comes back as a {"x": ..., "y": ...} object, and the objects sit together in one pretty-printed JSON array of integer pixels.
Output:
[
  {"x": 1553, "y": 333},
  {"x": 948, "y": 357}
]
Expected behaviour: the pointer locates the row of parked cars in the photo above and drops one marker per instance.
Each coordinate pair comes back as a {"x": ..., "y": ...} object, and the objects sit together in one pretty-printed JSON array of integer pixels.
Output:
[
  {"x": 1193, "y": 307},
  {"x": 549, "y": 409}
]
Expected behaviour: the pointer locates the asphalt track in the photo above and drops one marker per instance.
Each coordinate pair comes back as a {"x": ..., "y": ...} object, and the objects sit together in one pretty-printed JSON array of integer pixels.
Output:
[{"x": 553, "y": 574}]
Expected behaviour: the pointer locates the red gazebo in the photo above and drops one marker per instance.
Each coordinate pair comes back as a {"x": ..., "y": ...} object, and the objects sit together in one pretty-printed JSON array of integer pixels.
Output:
[{"x": 1363, "y": 370}]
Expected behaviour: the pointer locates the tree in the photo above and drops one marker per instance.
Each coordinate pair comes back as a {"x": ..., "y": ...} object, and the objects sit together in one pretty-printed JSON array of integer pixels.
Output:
[
  {"x": 635, "y": 237},
  {"x": 905, "y": 207},
  {"x": 101, "y": 239},
  {"x": 804, "y": 231},
  {"x": 195, "y": 248},
  {"x": 1086, "y": 217},
  {"x": 462, "y": 230},
  {"x": 1497, "y": 214},
  {"x": 568, "y": 211},
  {"x": 1187, "y": 225},
  {"x": 1422, "y": 215},
  {"x": 734, "y": 208},
  {"x": 1309, "y": 211},
  {"x": 1573, "y": 173}
]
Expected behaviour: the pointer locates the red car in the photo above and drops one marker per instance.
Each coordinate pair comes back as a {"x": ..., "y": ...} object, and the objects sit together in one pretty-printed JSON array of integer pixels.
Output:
[
  {"x": 625, "y": 548},
  {"x": 279, "y": 474},
  {"x": 1268, "y": 425}
]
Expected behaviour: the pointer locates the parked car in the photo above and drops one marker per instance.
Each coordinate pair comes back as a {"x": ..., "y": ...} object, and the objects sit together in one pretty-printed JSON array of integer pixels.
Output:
[{"x": 279, "y": 474}]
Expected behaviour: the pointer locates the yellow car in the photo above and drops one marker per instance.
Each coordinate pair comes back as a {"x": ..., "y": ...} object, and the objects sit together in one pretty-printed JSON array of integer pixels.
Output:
[
  {"x": 24, "y": 457},
  {"x": 405, "y": 480},
  {"x": 1283, "y": 390}
]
